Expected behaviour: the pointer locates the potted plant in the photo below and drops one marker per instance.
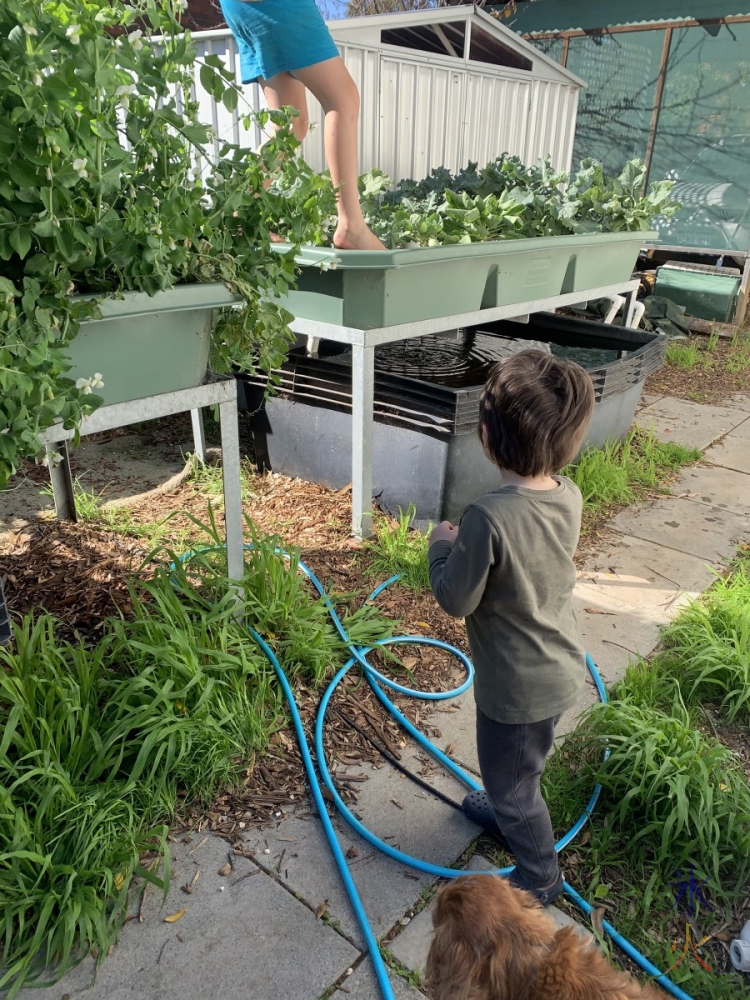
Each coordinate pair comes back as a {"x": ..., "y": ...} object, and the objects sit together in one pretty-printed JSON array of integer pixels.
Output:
[{"x": 114, "y": 204}]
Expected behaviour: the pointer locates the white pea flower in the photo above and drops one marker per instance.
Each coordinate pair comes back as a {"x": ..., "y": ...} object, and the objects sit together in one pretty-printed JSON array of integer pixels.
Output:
[
  {"x": 157, "y": 229},
  {"x": 135, "y": 39},
  {"x": 30, "y": 29},
  {"x": 51, "y": 459},
  {"x": 180, "y": 5},
  {"x": 124, "y": 92},
  {"x": 79, "y": 166},
  {"x": 37, "y": 79},
  {"x": 74, "y": 34},
  {"x": 87, "y": 384}
]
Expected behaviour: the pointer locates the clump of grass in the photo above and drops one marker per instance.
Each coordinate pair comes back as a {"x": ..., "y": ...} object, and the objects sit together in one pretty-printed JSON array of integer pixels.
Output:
[
  {"x": 209, "y": 478},
  {"x": 96, "y": 741},
  {"x": 399, "y": 549},
  {"x": 620, "y": 471},
  {"x": 708, "y": 647},
  {"x": 91, "y": 509},
  {"x": 739, "y": 356},
  {"x": 672, "y": 797},
  {"x": 682, "y": 355},
  {"x": 680, "y": 793}
]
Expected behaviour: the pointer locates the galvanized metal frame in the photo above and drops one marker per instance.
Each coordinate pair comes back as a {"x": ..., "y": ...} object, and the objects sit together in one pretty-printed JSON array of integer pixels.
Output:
[
  {"x": 364, "y": 342},
  {"x": 221, "y": 391}
]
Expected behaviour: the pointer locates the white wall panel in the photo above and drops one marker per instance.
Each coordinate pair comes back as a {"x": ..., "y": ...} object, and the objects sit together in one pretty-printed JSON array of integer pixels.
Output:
[
  {"x": 497, "y": 117},
  {"x": 419, "y": 113},
  {"x": 421, "y": 118}
]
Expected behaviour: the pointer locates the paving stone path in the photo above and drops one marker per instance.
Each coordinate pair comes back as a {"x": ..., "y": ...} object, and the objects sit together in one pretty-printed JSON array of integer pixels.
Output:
[{"x": 258, "y": 937}]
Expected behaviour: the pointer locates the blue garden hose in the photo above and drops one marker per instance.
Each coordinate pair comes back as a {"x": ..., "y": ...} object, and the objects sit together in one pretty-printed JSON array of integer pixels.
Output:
[{"x": 376, "y": 679}]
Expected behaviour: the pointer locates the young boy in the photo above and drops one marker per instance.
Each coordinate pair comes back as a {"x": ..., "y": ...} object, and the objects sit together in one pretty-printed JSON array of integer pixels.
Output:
[{"x": 508, "y": 569}]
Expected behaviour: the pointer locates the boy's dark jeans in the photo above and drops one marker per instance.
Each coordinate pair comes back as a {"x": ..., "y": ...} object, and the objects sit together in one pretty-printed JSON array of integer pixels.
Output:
[{"x": 511, "y": 761}]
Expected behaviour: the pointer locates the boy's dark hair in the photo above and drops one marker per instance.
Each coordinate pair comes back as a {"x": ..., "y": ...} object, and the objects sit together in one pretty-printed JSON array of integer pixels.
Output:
[{"x": 536, "y": 409}]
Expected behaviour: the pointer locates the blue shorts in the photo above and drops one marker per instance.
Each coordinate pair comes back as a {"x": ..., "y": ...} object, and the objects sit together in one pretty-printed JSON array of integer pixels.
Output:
[{"x": 277, "y": 36}]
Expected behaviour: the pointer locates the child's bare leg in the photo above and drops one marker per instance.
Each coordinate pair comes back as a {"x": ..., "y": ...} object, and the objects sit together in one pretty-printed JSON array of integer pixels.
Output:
[
  {"x": 283, "y": 90},
  {"x": 333, "y": 86}
]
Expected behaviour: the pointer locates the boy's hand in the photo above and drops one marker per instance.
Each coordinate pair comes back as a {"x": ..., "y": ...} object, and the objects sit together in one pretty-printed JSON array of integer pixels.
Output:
[{"x": 444, "y": 532}]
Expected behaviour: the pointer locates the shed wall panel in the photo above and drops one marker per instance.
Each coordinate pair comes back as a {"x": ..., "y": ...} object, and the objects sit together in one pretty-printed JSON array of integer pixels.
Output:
[{"x": 417, "y": 113}]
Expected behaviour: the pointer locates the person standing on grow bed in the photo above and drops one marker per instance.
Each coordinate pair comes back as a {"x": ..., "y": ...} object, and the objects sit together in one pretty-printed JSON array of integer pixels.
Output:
[
  {"x": 286, "y": 46},
  {"x": 508, "y": 569}
]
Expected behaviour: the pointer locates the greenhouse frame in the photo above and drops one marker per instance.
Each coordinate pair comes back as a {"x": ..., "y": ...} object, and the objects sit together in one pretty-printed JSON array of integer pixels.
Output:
[{"x": 668, "y": 82}]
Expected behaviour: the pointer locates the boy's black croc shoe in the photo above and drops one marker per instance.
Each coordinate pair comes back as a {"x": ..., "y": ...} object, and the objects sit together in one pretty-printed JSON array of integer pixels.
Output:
[
  {"x": 545, "y": 896},
  {"x": 476, "y": 807}
]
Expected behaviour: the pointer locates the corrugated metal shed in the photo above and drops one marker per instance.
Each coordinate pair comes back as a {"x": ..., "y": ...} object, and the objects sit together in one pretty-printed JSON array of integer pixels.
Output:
[
  {"x": 438, "y": 88},
  {"x": 545, "y": 16}
]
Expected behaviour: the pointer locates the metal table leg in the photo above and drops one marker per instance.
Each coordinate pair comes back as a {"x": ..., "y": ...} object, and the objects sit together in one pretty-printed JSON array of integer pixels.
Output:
[
  {"x": 199, "y": 434},
  {"x": 230, "y": 456},
  {"x": 62, "y": 482},
  {"x": 363, "y": 390}
]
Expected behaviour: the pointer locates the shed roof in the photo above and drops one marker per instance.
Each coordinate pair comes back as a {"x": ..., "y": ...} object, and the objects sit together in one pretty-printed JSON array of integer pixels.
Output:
[
  {"x": 544, "y": 16},
  {"x": 441, "y": 33}
]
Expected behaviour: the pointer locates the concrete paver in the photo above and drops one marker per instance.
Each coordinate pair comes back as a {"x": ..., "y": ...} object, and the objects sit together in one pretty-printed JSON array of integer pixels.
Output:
[
  {"x": 250, "y": 940},
  {"x": 719, "y": 487},
  {"x": 695, "y": 528},
  {"x": 614, "y": 631},
  {"x": 644, "y": 573},
  {"x": 739, "y": 401},
  {"x": 733, "y": 450},
  {"x": 363, "y": 985},
  {"x": 682, "y": 422},
  {"x": 420, "y": 825}
]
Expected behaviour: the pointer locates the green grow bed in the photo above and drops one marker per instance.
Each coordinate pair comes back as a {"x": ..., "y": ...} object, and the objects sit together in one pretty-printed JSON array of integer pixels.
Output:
[
  {"x": 366, "y": 290},
  {"x": 145, "y": 345}
]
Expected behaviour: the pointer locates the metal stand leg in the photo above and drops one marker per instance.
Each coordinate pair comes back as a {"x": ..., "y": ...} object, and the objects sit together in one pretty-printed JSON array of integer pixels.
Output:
[
  {"x": 199, "y": 434},
  {"x": 230, "y": 454},
  {"x": 62, "y": 483},
  {"x": 363, "y": 389}
]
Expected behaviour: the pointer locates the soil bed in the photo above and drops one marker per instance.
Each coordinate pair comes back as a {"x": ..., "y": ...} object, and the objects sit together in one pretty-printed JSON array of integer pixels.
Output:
[{"x": 710, "y": 379}]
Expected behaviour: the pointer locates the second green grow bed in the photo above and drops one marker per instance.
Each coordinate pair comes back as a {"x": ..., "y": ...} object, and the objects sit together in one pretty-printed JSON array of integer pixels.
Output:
[{"x": 368, "y": 290}]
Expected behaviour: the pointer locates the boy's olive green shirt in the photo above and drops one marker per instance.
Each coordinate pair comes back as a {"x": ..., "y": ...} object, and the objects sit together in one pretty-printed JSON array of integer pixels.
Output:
[{"x": 510, "y": 573}]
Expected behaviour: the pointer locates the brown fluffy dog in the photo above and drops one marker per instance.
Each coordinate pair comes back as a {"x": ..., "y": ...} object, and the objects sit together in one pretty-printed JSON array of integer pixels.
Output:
[{"x": 495, "y": 942}]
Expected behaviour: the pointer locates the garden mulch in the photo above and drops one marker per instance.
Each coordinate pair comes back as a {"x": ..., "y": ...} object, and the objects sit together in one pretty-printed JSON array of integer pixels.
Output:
[{"x": 79, "y": 573}]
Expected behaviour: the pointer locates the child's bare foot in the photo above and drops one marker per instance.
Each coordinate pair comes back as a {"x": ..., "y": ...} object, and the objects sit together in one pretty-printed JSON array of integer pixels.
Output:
[{"x": 362, "y": 238}]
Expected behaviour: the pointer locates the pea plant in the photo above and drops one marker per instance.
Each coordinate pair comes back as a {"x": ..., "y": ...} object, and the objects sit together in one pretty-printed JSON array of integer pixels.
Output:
[{"x": 108, "y": 182}]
